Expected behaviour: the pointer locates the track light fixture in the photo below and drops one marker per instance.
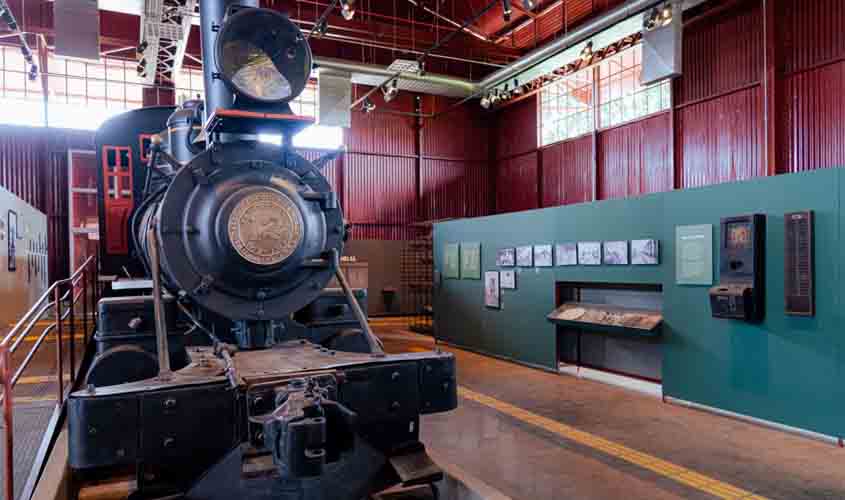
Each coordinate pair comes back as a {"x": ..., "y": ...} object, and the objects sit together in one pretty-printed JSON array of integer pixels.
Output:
[
  {"x": 142, "y": 68},
  {"x": 33, "y": 73},
  {"x": 517, "y": 88},
  {"x": 485, "y": 102},
  {"x": 506, "y": 10},
  {"x": 530, "y": 4},
  {"x": 390, "y": 90},
  {"x": 587, "y": 52},
  {"x": 347, "y": 9},
  {"x": 368, "y": 106},
  {"x": 142, "y": 47},
  {"x": 658, "y": 17},
  {"x": 322, "y": 28}
]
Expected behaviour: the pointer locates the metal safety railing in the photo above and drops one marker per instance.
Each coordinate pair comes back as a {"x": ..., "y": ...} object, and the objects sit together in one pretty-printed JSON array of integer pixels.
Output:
[{"x": 61, "y": 298}]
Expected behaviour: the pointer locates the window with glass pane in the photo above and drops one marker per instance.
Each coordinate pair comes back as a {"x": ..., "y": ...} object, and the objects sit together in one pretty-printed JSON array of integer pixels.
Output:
[
  {"x": 189, "y": 84},
  {"x": 621, "y": 96},
  {"x": 566, "y": 107}
]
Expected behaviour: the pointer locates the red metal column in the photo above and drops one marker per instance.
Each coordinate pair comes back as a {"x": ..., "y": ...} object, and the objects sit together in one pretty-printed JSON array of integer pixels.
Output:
[{"x": 771, "y": 89}]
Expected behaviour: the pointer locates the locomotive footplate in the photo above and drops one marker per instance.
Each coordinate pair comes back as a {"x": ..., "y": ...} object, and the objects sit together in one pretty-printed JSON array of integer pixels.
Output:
[{"x": 323, "y": 415}]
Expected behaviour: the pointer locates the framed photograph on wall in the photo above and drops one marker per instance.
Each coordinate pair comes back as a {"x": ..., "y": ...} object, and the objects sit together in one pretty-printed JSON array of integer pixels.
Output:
[
  {"x": 452, "y": 261},
  {"x": 566, "y": 254},
  {"x": 589, "y": 253},
  {"x": 11, "y": 236},
  {"x": 616, "y": 253},
  {"x": 525, "y": 256},
  {"x": 645, "y": 252},
  {"x": 471, "y": 261},
  {"x": 492, "y": 292},
  {"x": 507, "y": 279},
  {"x": 506, "y": 257},
  {"x": 543, "y": 256}
]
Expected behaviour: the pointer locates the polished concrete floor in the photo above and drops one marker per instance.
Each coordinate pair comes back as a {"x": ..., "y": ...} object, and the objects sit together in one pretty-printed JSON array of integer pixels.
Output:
[{"x": 537, "y": 435}]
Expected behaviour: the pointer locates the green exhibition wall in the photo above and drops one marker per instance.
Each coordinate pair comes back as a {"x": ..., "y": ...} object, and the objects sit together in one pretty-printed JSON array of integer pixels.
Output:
[{"x": 786, "y": 369}]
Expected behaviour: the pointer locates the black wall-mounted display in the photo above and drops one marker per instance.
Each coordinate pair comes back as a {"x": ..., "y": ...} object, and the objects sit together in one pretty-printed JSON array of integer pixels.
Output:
[
  {"x": 740, "y": 292},
  {"x": 799, "y": 265}
]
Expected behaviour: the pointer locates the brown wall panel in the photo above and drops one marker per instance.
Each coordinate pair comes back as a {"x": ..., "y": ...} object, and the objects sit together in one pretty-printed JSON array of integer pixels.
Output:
[
  {"x": 720, "y": 140},
  {"x": 461, "y": 133},
  {"x": 815, "y": 120},
  {"x": 379, "y": 189},
  {"x": 383, "y": 131},
  {"x": 810, "y": 32},
  {"x": 636, "y": 159},
  {"x": 516, "y": 128},
  {"x": 722, "y": 53},
  {"x": 568, "y": 172},
  {"x": 452, "y": 189},
  {"x": 516, "y": 184}
]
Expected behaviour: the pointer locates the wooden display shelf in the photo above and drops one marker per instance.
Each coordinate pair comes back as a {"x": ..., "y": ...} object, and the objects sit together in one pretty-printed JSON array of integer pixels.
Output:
[{"x": 608, "y": 318}]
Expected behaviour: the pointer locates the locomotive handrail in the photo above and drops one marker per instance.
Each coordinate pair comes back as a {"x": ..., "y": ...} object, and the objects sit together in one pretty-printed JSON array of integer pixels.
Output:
[{"x": 65, "y": 293}]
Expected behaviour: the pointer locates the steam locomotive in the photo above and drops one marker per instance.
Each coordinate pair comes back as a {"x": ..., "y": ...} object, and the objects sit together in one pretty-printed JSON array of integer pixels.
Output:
[{"x": 240, "y": 353}]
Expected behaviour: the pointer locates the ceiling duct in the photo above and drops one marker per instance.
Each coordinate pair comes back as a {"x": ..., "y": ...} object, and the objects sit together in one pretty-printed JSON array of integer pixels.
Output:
[{"x": 77, "y": 25}]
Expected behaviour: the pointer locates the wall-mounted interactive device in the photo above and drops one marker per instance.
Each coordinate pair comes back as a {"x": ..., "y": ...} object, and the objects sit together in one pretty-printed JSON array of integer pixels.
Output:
[
  {"x": 798, "y": 269},
  {"x": 739, "y": 294}
]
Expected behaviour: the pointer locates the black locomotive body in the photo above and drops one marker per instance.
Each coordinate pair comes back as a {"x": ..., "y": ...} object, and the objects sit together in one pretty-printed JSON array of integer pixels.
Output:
[{"x": 240, "y": 351}]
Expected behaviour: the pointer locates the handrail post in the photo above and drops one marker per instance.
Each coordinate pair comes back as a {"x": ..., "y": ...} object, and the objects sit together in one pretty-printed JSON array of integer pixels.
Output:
[
  {"x": 8, "y": 412},
  {"x": 59, "y": 367},
  {"x": 85, "y": 307},
  {"x": 72, "y": 341}
]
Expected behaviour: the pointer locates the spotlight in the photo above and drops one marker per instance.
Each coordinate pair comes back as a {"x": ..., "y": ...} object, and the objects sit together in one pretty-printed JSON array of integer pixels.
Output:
[
  {"x": 495, "y": 97},
  {"x": 368, "y": 106},
  {"x": 666, "y": 14},
  {"x": 33, "y": 73},
  {"x": 322, "y": 28},
  {"x": 529, "y": 4},
  {"x": 517, "y": 88},
  {"x": 485, "y": 102},
  {"x": 506, "y": 8},
  {"x": 421, "y": 71},
  {"x": 142, "y": 47},
  {"x": 142, "y": 68},
  {"x": 347, "y": 9},
  {"x": 390, "y": 90},
  {"x": 587, "y": 52}
]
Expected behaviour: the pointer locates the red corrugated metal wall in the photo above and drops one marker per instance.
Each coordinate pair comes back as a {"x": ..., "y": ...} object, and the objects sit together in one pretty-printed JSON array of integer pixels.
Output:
[
  {"x": 567, "y": 174},
  {"x": 517, "y": 183},
  {"x": 636, "y": 159},
  {"x": 720, "y": 140},
  {"x": 516, "y": 128},
  {"x": 813, "y": 47}
]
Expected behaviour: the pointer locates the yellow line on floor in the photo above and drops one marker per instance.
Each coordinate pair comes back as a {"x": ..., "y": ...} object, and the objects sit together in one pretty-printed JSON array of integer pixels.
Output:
[
  {"x": 30, "y": 400},
  {"x": 666, "y": 469},
  {"x": 40, "y": 379}
]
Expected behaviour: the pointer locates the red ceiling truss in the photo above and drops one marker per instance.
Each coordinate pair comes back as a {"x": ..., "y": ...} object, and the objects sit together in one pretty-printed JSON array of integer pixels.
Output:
[{"x": 384, "y": 30}]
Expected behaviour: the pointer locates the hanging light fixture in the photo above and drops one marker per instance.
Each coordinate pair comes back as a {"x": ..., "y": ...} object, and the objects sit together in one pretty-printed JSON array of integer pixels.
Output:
[
  {"x": 390, "y": 90},
  {"x": 666, "y": 14},
  {"x": 368, "y": 106},
  {"x": 347, "y": 9},
  {"x": 33, "y": 73},
  {"x": 506, "y": 10},
  {"x": 529, "y": 4},
  {"x": 587, "y": 52}
]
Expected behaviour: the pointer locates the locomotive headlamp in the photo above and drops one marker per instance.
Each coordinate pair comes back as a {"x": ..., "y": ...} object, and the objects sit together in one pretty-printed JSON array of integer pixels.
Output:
[{"x": 263, "y": 56}]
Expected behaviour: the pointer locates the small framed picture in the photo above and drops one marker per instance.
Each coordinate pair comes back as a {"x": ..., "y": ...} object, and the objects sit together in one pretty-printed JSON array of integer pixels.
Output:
[
  {"x": 566, "y": 254},
  {"x": 508, "y": 279},
  {"x": 589, "y": 253},
  {"x": 616, "y": 253},
  {"x": 525, "y": 256},
  {"x": 492, "y": 292},
  {"x": 645, "y": 252},
  {"x": 543, "y": 256},
  {"x": 11, "y": 236},
  {"x": 506, "y": 257}
]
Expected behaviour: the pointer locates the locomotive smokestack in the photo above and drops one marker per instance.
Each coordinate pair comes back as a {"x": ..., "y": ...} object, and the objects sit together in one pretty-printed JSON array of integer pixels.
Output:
[{"x": 212, "y": 12}]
